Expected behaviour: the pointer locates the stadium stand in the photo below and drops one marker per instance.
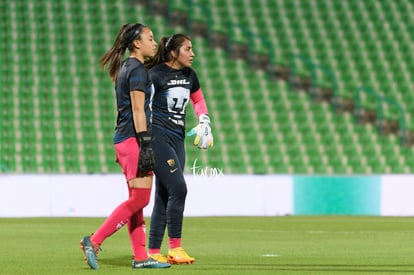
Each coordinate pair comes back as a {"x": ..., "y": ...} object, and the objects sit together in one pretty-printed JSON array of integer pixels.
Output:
[{"x": 57, "y": 105}]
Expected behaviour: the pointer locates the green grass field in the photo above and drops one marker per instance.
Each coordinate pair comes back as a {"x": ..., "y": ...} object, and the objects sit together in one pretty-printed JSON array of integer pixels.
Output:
[{"x": 222, "y": 245}]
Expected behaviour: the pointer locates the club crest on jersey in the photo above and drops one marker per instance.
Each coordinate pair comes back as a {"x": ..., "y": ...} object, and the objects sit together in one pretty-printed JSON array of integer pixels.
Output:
[
  {"x": 171, "y": 162},
  {"x": 178, "y": 82}
]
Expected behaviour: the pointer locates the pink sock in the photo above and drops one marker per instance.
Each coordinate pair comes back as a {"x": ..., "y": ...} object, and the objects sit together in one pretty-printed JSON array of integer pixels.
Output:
[
  {"x": 174, "y": 242},
  {"x": 139, "y": 198},
  {"x": 136, "y": 229},
  {"x": 113, "y": 223},
  {"x": 154, "y": 250}
]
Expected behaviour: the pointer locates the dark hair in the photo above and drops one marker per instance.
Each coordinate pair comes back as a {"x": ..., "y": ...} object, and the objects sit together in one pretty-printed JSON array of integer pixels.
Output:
[
  {"x": 165, "y": 46},
  {"x": 112, "y": 59}
]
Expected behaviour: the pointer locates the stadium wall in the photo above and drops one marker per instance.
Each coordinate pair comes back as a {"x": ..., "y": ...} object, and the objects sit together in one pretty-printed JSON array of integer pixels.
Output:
[{"x": 213, "y": 195}]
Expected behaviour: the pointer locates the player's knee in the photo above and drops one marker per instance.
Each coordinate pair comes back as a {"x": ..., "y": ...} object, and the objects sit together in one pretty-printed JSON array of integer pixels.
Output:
[
  {"x": 138, "y": 199},
  {"x": 181, "y": 190},
  {"x": 144, "y": 201}
]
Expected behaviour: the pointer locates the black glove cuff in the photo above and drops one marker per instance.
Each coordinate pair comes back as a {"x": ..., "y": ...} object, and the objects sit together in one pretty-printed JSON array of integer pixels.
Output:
[{"x": 144, "y": 138}]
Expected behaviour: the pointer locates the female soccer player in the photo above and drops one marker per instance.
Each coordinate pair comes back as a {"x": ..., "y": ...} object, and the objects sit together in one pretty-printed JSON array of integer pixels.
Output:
[
  {"x": 132, "y": 141},
  {"x": 175, "y": 84}
]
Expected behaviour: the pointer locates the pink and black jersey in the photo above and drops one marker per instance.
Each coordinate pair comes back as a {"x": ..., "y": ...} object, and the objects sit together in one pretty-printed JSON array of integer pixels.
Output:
[
  {"x": 172, "y": 94},
  {"x": 133, "y": 76}
]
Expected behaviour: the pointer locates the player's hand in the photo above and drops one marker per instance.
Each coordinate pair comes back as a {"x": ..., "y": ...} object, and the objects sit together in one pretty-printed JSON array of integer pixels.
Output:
[
  {"x": 146, "y": 160},
  {"x": 204, "y": 137}
]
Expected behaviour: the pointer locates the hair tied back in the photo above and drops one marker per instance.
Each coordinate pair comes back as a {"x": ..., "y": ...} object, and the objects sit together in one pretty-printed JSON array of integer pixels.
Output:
[{"x": 168, "y": 41}]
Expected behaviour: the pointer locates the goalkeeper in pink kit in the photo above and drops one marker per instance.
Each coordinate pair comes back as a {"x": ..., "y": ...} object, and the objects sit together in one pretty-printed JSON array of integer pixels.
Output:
[
  {"x": 175, "y": 84},
  {"x": 132, "y": 141}
]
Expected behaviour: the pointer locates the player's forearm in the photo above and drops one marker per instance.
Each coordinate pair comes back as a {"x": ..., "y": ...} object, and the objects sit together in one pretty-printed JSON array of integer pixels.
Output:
[
  {"x": 138, "y": 111},
  {"x": 199, "y": 103},
  {"x": 140, "y": 121}
]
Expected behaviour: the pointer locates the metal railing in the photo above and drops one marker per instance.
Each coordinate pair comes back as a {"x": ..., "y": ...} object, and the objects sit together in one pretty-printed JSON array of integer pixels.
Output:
[{"x": 381, "y": 100}]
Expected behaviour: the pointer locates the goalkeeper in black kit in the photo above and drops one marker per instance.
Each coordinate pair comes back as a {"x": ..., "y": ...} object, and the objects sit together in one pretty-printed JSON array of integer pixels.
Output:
[{"x": 175, "y": 84}]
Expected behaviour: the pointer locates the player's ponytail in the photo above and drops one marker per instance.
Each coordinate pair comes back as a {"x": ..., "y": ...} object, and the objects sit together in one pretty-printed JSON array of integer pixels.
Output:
[
  {"x": 165, "y": 46},
  {"x": 112, "y": 59},
  {"x": 160, "y": 56}
]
